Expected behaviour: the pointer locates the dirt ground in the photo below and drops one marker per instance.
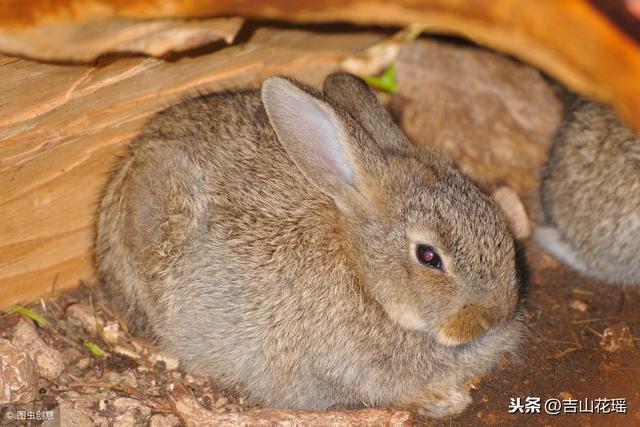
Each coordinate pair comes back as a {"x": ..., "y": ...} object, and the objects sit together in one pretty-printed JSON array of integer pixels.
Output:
[{"x": 569, "y": 353}]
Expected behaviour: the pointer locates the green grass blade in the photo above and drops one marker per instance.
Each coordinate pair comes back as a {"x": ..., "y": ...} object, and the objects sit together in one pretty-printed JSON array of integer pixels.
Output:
[
  {"x": 386, "y": 82},
  {"x": 24, "y": 311},
  {"x": 94, "y": 348}
]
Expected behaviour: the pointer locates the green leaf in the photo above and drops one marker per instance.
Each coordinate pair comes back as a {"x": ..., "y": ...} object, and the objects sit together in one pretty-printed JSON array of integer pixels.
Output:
[
  {"x": 94, "y": 348},
  {"x": 24, "y": 311},
  {"x": 386, "y": 82}
]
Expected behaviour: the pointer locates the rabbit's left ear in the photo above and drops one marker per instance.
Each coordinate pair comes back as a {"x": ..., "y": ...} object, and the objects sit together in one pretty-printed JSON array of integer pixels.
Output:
[
  {"x": 326, "y": 144},
  {"x": 354, "y": 95}
]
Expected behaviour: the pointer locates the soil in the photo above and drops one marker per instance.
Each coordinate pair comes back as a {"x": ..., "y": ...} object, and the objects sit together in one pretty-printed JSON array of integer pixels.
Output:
[{"x": 567, "y": 355}]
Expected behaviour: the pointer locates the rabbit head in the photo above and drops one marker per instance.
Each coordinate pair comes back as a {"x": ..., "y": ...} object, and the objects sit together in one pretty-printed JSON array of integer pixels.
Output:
[{"x": 429, "y": 247}]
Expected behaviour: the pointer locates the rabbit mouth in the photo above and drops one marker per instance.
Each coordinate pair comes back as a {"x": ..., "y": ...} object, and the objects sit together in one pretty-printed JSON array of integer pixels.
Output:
[{"x": 468, "y": 324}]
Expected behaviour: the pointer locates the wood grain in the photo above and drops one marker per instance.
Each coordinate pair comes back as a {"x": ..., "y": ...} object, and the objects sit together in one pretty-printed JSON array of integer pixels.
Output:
[
  {"x": 571, "y": 40},
  {"x": 85, "y": 41},
  {"x": 64, "y": 127},
  {"x": 192, "y": 414}
]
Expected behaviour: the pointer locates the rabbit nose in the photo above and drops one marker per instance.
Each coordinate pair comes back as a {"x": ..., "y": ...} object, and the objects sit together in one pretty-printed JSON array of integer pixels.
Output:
[{"x": 470, "y": 322}]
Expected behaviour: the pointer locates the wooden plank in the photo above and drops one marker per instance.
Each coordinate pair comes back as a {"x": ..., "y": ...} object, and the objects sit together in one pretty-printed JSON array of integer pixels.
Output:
[
  {"x": 62, "y": 127},
  {"x": 571, "y": 40},
  {"x": 85, "y": 41}
]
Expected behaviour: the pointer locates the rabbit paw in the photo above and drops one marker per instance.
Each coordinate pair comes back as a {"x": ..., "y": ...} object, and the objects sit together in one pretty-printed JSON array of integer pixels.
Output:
[{"x": 442, "y": 401}]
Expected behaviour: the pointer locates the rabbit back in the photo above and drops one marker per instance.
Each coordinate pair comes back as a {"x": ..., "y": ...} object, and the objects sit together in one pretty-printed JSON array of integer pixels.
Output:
[
  {"x": 193, "y": 252},
  {"x": 213, "y": 240},
  {"x": 591, "y": 194}
]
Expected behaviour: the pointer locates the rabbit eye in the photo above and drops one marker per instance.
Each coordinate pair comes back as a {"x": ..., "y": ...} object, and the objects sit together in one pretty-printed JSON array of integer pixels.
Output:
[{"x": 428, "y": 256}]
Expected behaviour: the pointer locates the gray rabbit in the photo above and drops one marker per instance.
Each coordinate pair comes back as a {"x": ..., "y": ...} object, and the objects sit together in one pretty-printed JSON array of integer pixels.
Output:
[
  {"x": 297, "y": 244},
  {"x": 591, "y": 195}
]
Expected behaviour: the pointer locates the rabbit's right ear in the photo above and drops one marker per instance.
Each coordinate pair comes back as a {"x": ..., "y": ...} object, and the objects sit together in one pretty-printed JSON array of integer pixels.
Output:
[
  {"x": 326, "y": 144},
  {"x": 354, "y": 95}
]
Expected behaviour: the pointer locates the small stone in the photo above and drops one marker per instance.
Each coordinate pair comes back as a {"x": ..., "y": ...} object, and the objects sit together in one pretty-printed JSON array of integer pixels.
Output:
[
  {"x": 160, "y": 420},
  {"x": 579, "y": 305},
  {"x": 71, "y": 418},
  {"x": 84, "y": 315},
  {"x": 565, "y": 395},
  {"x": 114, "y": 378},
  {"x": 221, "y": 402},
  {"x": 83, "y": 363},
  {"x": 616, "y": 337},
  {"x": 48, "y": 360},
  {"x": 187, "y": 406},
  {"x": 130, "y": 380},
  {"x": 170, "y": 361},
  {"x": 112, "y": 332},
  {"x": 88, "y": 402},
  {"x": 126, "y": 404},
  {"x": 121, "y": 404},
  {"x": 18, "y": 375},
  {"x": 99, "y": 421},
  {"x": 128, "y": 419},
  {"x": 72, "y": 353},
  {"x": 145, "y": 411}
]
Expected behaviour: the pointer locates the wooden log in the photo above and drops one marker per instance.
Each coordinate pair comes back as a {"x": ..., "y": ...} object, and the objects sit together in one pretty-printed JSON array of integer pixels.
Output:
[
  {"x": 193, "y": 414},
  {"x": 62, "y": 127},
  {"x": 85, "y": 41},
  {"x": 574, "y": 40}
]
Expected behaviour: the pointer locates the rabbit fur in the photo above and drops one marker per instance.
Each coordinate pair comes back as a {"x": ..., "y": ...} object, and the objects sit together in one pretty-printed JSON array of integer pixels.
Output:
[
  {"x": 269, "y": 238},
  {"x": 591, "y": 195}
]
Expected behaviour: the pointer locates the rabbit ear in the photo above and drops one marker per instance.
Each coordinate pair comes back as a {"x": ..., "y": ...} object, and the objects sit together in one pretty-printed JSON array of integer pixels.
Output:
[
  {"x": 325, "y": 143},
  {"x": 354, "y": 95}
]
